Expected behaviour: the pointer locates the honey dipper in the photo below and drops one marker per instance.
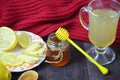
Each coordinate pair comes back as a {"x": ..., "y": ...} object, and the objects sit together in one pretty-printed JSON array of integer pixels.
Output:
[{"x": 63, "y": 34}]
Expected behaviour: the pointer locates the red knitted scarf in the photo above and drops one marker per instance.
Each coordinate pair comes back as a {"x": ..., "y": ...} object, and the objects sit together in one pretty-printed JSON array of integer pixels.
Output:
[{"x": 45, "y": 16}]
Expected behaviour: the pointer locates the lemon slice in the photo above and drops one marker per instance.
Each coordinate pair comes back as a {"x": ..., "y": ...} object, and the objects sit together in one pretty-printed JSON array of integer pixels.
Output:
[
  {"x": 34, "y": 46},
  {"x": 28, "y": 59},
  {"x": 10, "y": 59},
  {"x": 24, "y": 40},
  {"x": 8, "y": 39},
  {"x": 37, "y": 53}
]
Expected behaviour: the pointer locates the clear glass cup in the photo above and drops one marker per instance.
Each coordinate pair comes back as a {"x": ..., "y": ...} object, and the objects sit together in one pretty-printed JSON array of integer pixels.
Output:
[
  {"x": 102, "y": 27},
  {"x": 58, "y": 53}
]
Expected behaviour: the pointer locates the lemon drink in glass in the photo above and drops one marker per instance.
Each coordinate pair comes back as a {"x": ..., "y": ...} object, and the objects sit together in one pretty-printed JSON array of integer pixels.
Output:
[{"x": 102, "y": 28}]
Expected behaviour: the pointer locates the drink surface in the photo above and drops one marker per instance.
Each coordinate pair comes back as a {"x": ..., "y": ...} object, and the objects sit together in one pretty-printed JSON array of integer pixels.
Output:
[{"x": 102, "y": 27}]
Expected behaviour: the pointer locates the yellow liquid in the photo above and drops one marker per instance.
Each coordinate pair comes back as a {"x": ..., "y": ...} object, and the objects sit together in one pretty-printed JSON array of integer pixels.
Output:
[{"x": 102, "y": 27}]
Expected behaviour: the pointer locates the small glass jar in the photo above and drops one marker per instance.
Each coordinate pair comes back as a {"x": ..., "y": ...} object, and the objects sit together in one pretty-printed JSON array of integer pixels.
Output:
[{"x": 58, "y": 53}]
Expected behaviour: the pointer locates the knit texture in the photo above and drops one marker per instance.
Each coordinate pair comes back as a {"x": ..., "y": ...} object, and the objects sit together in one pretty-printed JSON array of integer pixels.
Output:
[{"x": 43, "y": 17}]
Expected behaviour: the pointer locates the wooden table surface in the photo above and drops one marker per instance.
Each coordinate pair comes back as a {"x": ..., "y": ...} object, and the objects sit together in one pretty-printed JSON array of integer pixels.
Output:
[{"x": 79, "y": 68}]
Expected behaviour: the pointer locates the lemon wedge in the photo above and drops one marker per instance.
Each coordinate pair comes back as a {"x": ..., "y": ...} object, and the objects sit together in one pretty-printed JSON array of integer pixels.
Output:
[
  {"x": 8, "y": 38},
  {"x": 11, "y": 59},
  {"x": 24, "y": 40}
]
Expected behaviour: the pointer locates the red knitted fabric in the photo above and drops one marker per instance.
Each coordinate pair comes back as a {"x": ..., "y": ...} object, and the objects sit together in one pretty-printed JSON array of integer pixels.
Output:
[{"x": 45, "y": 16}]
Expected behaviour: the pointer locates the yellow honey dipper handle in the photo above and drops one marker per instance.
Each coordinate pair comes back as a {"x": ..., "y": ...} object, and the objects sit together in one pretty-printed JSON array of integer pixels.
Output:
[{"x": 103, "y": 69}]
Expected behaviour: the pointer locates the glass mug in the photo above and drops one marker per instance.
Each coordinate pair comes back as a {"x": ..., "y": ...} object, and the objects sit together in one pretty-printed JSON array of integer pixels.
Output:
[
  {"x": 103, "y": 21},
  {"x": 58, "y": 53}
]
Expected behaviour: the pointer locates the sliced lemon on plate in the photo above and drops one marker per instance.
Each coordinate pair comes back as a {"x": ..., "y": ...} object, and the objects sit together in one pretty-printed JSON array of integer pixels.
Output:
[
  {"x": 8, "y": 38},
  {"x": 28, "y": 59},
  {"x": 34, "y": 46},
  {"x": 37, "y": 53},
  {"x": 11, "y": 59},
  {"x": 24, "y": 40}
]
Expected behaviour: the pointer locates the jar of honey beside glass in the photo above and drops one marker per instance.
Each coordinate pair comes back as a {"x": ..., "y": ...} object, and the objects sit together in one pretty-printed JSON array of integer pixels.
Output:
[{"x": 58, "y": 53}]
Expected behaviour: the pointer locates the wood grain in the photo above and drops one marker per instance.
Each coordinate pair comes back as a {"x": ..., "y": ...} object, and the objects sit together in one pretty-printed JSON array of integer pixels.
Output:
[{"x": 78, "y": 68}]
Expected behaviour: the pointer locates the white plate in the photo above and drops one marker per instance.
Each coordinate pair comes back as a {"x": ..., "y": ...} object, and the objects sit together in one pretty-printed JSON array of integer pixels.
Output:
[{"x": 18, "y": 49}]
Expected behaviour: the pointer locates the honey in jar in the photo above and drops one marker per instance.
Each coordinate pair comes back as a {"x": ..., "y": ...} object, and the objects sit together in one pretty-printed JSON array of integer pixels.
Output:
[{"x": 58, "y": 53}]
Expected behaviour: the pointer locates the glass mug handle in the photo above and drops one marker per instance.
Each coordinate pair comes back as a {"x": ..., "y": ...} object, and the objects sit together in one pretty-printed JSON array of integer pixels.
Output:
[{"x": 81, "y": 18}]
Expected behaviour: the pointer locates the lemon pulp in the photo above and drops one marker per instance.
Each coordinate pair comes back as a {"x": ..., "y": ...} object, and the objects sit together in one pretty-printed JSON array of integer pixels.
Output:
[
  {"x": 24, "y": 40},
  {"x": 8, "y": 39},
  {"x": 11, "y": 59}
]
